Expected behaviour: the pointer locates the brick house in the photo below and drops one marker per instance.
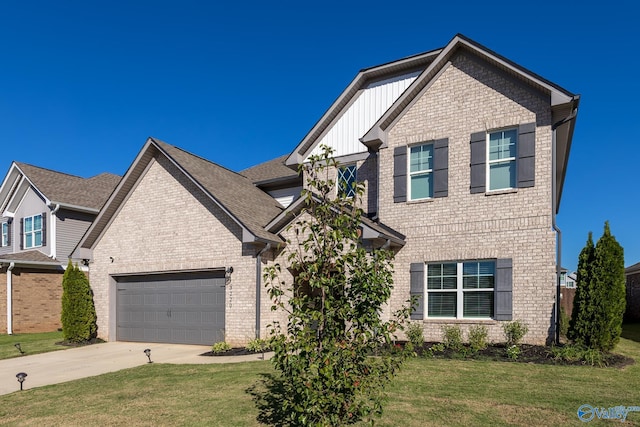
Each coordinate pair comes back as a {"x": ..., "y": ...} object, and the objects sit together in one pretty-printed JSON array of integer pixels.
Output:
[
  {"x": 632, "y": 274},
  {"x": 43, "y": 214},
  {"x": 463, "y": 155}
]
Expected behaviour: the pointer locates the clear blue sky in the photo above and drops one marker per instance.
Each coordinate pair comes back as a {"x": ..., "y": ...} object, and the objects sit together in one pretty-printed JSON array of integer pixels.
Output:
[{"x": 83, "y": 84}]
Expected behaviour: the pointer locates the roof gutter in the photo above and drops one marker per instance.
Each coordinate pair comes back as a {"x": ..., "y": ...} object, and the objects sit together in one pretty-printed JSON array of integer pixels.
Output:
[
  {"x": 9, "y": 298},
  {"x": 554, "y": 209}
]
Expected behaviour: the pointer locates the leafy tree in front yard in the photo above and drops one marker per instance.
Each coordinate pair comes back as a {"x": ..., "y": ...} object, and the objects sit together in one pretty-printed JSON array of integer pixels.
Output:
[
  {"x": 600, "y": 296},
  {"x": 78, "y": 310},
  {"x": 336, "y": 353}
]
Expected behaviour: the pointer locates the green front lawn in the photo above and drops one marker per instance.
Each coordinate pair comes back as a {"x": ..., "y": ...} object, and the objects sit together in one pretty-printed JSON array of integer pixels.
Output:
[
  {"x": 30, "y": 344},
  {"x": 428, "y": 392}
]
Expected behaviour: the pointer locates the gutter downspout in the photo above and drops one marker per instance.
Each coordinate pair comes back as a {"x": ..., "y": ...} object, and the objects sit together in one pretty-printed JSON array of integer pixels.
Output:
[
  {"x": 259, "y": 286},
  {"x": 54, "y": 232},
  {"x": 9, "y": 299},
  {"x": 554, "y": 191}
]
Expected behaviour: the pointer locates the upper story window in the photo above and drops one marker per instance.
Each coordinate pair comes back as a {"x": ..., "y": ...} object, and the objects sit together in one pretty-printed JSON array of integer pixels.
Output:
[
  {"x": 502, "y": 159},
  {"x": 33, "y": 231},
  {"x": 4, "y": 237},
  {"x": 421, "y": 171},
  {"x": 347, "y": 176}
]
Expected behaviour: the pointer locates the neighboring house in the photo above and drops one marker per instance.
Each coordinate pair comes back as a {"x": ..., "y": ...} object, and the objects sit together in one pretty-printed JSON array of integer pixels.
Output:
[
  {"x": 567, "y": 290},
  {"x": 43, "y": 214},
  {"x": 463, "y": 156},
  {"x": 632, "y": 274}
]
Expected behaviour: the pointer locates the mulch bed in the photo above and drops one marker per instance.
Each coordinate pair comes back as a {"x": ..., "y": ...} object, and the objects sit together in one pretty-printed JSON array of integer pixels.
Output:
[
  {"x": 535, "y": 354},
  {"x": 80, "y": 344},
  {"x": 236, "y": 351}
]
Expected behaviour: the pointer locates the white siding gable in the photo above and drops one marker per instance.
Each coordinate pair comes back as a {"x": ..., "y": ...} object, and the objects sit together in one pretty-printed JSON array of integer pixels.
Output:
[
  {"x": 372, "y": 102},
  {"x": 286, "y": 196}
]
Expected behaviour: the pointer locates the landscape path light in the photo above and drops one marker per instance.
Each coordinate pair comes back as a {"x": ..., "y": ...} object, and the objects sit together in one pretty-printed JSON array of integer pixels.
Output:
[
  {"x": 17, "y": 345},
  {"x": 21, "y": 376},
  {"x": 147, "y": 351}
]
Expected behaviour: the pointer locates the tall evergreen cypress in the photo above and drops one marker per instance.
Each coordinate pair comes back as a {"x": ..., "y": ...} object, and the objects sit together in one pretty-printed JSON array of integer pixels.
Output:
[
  {"x": 78, "y": 310},
  {"x": 600, "y": 300},
  {"x": 582, "y": 314},
  {"x": 608, "y": 274}
]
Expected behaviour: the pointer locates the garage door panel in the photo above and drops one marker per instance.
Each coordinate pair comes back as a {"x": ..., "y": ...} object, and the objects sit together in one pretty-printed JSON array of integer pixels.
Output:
[{"x": 179, "y": 308}]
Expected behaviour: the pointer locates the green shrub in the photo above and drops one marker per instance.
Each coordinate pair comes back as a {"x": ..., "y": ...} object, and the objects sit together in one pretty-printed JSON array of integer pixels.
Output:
[
  {"x": 513, "y": 351},
  {"x": 78, "y": 318},
  {"x": 220, "y": 347},
  {"x": 514, "y": 332},
  {"x": 452, "y": 338},
  {"x": 258, "y": 345},
  {"x": 478, "y": 338},
  {"x": 436, "y": 348},
  {"x": 579, "y": 353},
  {"x": 415, "y": 334}
]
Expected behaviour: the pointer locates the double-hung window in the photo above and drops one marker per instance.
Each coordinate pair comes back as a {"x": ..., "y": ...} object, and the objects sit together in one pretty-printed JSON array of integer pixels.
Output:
[
  {"x": 347, "y": 176},
  {"x": 461, "y": 289},
  {"x": 501, "y": 165},
  {"x": 4, "y": 238},
  {"x": 33, "y": 231},
  {"x": 421, "y": 171}
]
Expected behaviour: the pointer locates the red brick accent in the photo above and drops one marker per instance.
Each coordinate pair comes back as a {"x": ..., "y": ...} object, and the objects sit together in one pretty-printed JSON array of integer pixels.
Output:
[{"x": 36, "y": 300}]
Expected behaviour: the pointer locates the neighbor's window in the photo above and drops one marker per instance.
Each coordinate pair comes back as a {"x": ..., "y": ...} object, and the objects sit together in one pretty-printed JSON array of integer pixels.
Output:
[
  {"x": 421, "y": 171},
  {"x": 502, "y": 159},
  {"x": 460, "y": 289},
  {"x": 33, "y": 231},
  {"x": 347, "y": 180},
  {"x": 4, "y": 240}
]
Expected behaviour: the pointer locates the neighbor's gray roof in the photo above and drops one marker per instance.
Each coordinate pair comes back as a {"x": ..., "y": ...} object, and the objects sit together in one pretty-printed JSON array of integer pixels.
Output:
[
  {"x": 633, "y": 268},
  {"x": 29, "y": 257},
  {"x": 271, "y": 171},
  {"x": 69, "y": 189},
  {"x": 248, "y": 204}
]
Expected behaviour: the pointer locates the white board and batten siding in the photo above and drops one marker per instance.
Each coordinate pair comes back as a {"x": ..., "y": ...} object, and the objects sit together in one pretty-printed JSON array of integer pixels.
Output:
[{"x": 372, "y": 102}]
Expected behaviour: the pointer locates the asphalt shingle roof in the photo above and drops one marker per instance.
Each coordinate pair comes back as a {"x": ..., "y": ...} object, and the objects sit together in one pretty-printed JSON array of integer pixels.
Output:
[
  {"x": 248, "y": 204},
  {"x": 269, "y": 171},
  {"x": 70, "y": 189},
  {"x": 29, "y": 256}
]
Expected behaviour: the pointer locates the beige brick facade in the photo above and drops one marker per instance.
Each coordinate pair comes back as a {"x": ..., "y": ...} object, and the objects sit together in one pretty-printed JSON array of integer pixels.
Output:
[
  {"x": 182, "y": 230},
  {"x": 36, "y": 300},
  {"x": 470, "y": 96}
]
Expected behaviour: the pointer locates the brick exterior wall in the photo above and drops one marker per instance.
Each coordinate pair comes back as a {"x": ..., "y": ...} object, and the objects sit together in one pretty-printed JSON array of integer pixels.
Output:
[
  {"x": 633, "y": 297},
  {"x": 36, "y": 300},
  {"x": 470, "y": 96},
  {"x": 168, "y": 224}
]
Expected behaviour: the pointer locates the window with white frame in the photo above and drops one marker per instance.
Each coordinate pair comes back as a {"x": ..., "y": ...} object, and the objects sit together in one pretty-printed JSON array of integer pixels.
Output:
[
  {"x": 33, "y": 231},
  {"x": 461, "y": 289},
  {"x": 4, "y": 239},
  {"x": 421, "y": 171},
  {"x": 502, "y": 159},
  {"x": 347, "y": 176}
]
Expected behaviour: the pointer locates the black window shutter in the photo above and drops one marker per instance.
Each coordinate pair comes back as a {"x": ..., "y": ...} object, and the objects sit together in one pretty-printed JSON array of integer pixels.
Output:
[
  {"x": 44, "y": 229},
  {"x": 417, "y": 289},
  {"x": 9, "y": 231},
  {"x": 21, "y": 233},
  {"x": 400, "y": 174},
  {"x": 478, "y": 162},
  {"x": 526, "y": 155},
  {"x": 441, "y": 168},
  {"x": 503, "y": 291}
]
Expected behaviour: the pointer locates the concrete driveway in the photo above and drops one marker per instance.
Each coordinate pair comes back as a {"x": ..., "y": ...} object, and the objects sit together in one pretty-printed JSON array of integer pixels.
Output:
[{"x": 72, "y": 364}]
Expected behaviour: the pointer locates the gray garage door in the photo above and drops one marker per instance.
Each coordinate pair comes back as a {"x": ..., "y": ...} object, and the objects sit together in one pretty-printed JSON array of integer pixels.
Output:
[{"x": 185, "y": 308}]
